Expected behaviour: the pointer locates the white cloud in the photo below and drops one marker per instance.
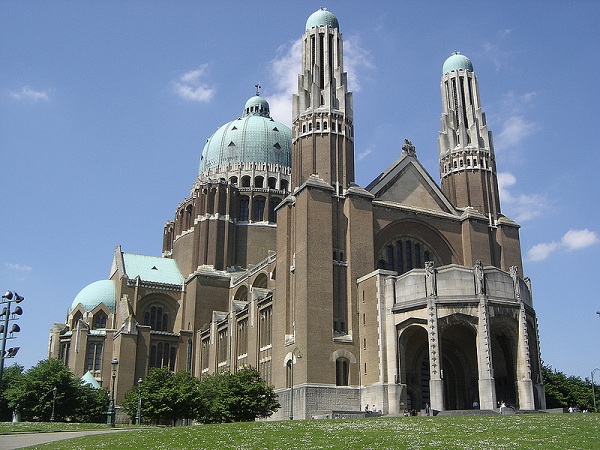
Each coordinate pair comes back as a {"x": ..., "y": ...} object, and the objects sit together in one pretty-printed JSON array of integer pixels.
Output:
[
  {"x": 285, "y": 69},
  {"x": 18, "y": 267},
  {"x": 287, "y": 65},
  {"x": 26, "y": 93},
  {"x": 520, "y": 207},
  {"x": 576, "y": 239},
  {"x": 363, "y": 155},
  {"x": 540, "y": 252},
  {"x": 191, "y": 87},
  {"x": 571, "y": 240},
  {"x": 514, "y": 130},
  {"x": 356, "y": 58}
]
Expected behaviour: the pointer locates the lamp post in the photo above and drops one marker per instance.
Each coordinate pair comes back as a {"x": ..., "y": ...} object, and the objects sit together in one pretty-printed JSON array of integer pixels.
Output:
[
  {"x": 138, "y": 417},
  {"x": 8, "y": 298},
  {"x": 53, "y": 403},
  {"x": 295, "y": 352},
  {"x": 110, "y": 415},
  {"x": 593, "y": 392}
]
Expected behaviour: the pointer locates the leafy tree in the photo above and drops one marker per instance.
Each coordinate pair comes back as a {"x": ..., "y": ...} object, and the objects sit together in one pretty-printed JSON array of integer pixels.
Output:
[
  {"x": 33, "y": 394},
  {"x": 10, "y": 376},
  {"x": 165, "y": 396},
  {"x": 249, "y": 396},
  {"x": 235, "y": 397},
  {"x": 563, "y": 391}
]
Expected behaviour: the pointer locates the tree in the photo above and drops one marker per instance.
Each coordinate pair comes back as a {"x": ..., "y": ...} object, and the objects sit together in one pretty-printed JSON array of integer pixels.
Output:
[
  {"x": 10, "y": 376},
  {"x": 563, "y": 391},
  {"x": 235, "y": 397},
  {"x": 249, "y": 396},
  {"x": 165, "y": 396},
  {"x": 33, "y": 394}
]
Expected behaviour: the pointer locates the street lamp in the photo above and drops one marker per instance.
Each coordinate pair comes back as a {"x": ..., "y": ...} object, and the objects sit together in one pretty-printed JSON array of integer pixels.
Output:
[
  {"x": 8, "y": 298},
  {"x": 138, "y": 417},
  {"x": 593, "y": 392},
  {"x": 53, "y": 403},
  {"x": 110, "y": 415},
  {"x": 298, "y": 355}
]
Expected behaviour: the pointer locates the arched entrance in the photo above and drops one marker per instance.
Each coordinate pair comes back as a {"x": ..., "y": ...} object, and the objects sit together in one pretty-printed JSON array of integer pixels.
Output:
[
  {"x": 504, "y": 356},
  {"x": 459, "y": 365},
  {"x": 413, "y": 364}
]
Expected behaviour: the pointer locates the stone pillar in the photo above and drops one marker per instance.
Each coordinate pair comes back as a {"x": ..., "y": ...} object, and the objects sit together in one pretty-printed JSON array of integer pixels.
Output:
[
  {"x": 487, "y": 386},
  {"x": 436, "y": 384},
  {"x": 524, "y": 383}
]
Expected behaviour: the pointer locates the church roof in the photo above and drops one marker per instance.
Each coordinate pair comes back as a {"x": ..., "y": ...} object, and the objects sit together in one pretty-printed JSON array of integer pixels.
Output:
[
  {"x": 457, "y": 62},
  {"x": 320, "y": 18},
  {"x": 103, "y": 291},
  {"x": 254, "y": 137},
  {"x": 152, "y": 268}
]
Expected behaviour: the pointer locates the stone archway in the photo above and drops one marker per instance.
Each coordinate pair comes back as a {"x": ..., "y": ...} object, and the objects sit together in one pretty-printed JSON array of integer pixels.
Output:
[
  {"x": 413, "y": 367},
  {"x": 459, "y": 365},
  {"x": 504, "y": 337}
]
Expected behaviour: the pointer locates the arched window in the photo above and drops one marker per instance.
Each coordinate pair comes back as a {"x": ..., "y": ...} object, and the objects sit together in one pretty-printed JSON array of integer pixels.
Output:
[
  {"x": 342, "y": 372},
  {"x": 318, "y": 126},
  {"x": 258, "y": 210},
  {"x": 390, "y": 257},
  {"x": 418, "y": 263},
  {"x": 233, "y": 180},
  {"x": 157, "y": 318},
  {"x": 272, "y": 205},
  {"x": 409, "y": 263},
  {"x": 246, "y": 181},
  {"x": 94, "y": 360},
  {"x": 241, "y": 294},
  {"x": 244, "y": 208},
  {"x": 400, "y": 268},
  {"x": 260, "y": 281},
  {"x": 283, "y": 185},
  {"x": 100, "y": 319},
  {"x": 163, "y": 354},
  {"x": 259, "y": 182},
  {"x": 272, "y": 183},
  {"x": 76, "y": 318}
]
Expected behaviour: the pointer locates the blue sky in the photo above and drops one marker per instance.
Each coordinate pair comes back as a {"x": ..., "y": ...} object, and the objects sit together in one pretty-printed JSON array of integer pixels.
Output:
[{"x": 105, "y": 108}]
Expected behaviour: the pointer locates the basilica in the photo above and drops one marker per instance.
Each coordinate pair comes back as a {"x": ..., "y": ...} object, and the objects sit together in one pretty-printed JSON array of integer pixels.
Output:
[{"x": 403, "y": 294}]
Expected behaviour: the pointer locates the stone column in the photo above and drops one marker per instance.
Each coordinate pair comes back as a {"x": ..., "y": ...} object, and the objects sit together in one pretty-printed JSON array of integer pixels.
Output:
[
  {"x": 436, "y": 384},
  {"x": 524, "y": 383},
  {"x": 487, "y": 386}
]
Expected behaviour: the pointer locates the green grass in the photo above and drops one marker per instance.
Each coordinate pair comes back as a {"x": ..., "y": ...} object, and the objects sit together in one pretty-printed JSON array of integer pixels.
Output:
[
  {"x": 46, "y": 427},
  {"x": 540, "y": 431}
]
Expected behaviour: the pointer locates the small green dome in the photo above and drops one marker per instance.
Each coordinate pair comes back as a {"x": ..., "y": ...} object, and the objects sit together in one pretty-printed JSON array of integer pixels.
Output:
[
  {"x": 254, "y": 137},
  {"x": 320, "y": 18},
  {"x": 103, "y": 291},
  {"x": 457, "y": 62}
]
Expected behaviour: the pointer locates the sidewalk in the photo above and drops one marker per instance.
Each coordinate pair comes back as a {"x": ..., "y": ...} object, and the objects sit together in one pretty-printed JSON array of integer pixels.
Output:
[{"x": 20, "y": 440}]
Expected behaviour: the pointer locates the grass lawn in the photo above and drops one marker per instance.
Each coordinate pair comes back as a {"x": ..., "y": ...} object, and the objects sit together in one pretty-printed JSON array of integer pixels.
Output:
[
  {"x": 46, "y": 427},
  {"x": 540, "y": 431}
]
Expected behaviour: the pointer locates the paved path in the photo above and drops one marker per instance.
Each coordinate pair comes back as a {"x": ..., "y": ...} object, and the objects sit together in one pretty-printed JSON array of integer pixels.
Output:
[{"x": 20, "y": 440}]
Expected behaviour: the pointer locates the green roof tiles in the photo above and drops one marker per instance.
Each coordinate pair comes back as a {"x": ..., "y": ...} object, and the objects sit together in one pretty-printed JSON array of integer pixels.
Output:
[
  {"x": 254, "y": 137},
  {"x": 457, "y": 62},
  {"x": 321, "y": 18},
  {"x": 152, "y": 268},
  {"x": 103, "y": 291}
]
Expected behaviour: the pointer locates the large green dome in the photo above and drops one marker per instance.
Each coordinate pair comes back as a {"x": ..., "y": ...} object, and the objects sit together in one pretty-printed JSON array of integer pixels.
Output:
[
  {"x": 103, "y": 291},
  {"x": 320, "y": 18},
  {"x": 254, "y": 137},
  {"x": 457, "y": 62}
]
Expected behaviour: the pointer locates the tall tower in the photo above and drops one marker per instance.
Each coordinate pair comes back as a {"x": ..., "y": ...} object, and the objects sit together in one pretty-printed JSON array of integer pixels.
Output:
[
  {"x": 466, "y": 149},
  {"x": 322, "y": 248},
  {"x": 323, "y": 132}
]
